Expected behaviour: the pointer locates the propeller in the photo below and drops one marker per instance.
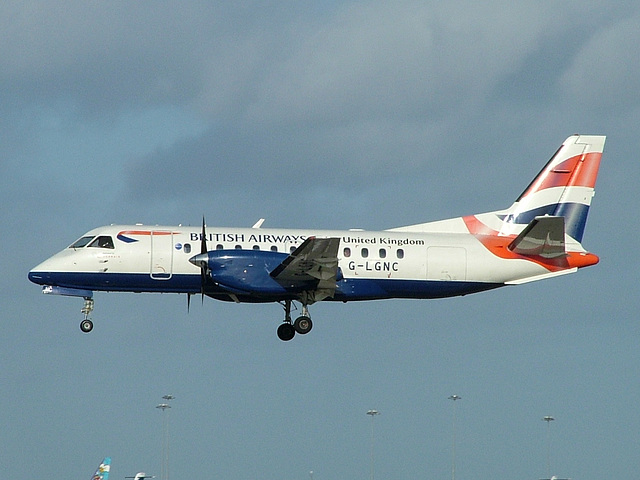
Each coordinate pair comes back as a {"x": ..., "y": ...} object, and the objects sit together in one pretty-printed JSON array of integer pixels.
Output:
[
  {"x": 203, "y": 264},
  {"x": 201, "y": 261}
]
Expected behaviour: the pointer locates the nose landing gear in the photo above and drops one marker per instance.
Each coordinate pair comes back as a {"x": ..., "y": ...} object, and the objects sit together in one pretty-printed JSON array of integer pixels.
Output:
[{"x": 86, "y": 325}]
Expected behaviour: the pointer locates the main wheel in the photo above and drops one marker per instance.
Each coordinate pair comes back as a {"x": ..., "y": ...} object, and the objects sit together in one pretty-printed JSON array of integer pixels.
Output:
[
  {"x": 86, "y": 325},
  {"x": 286, "y": 332},
  {"x": 303, "y": 325}
]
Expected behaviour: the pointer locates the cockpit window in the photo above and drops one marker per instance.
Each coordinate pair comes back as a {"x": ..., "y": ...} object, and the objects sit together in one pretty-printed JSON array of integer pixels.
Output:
[
  {"x": 81, "y": 242},
  {"x": 103, "y": 241}
]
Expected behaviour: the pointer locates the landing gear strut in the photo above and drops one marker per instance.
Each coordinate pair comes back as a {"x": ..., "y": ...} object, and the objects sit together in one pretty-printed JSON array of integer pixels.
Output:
[
  {"x": 302, "y": 324},
  {"x": 86, "y": 325}
]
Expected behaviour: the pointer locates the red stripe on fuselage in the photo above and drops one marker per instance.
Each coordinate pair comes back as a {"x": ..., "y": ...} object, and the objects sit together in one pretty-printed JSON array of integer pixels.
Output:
[{"x": 147, "y": 232}]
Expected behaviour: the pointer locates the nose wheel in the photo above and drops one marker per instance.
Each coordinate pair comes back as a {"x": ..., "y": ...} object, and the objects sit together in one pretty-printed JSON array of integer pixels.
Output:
[
  {"x": 302, "y": 325},
  {"x": 86, "y": 325}
]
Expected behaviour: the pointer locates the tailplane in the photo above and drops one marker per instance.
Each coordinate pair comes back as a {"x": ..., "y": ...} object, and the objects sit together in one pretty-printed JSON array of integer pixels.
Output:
[
  {"x": 563, "y": 188},
  {"x": 102, "y": 473}
]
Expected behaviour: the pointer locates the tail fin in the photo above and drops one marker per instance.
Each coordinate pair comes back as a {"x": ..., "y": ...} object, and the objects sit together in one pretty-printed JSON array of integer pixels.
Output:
[
  {"x": 563, "y": 188},
  {"x": 102, "y": 473}
]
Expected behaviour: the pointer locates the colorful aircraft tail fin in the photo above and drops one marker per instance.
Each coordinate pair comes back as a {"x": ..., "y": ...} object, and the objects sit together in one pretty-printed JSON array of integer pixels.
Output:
[
  {"x": 102, "y": 473},
  {"x": 563, "y": 188}
]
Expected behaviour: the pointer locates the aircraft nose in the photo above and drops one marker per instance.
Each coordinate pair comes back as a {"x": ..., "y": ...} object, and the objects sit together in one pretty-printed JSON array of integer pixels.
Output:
[
  {"x": 36, "y": 277},
  {"x": 44, "y": 273},
  {"x": 39, "y": 275}
]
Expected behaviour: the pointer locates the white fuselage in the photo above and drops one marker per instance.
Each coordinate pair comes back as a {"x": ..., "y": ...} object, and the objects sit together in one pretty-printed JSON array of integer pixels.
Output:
[{"x": 372, "y": 264}]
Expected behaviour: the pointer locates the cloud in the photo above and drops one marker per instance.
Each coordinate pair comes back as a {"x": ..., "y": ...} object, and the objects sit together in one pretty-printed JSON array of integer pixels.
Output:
[
  {"x": 100, "y": 56},
  {"x": 336, "y": 101},
  {"x": 291, "y": 101},
  {"x": 605, "y": 74}
]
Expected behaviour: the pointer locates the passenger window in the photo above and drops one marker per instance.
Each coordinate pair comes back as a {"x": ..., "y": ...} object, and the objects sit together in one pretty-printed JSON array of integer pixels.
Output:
[
  {"x": 219, "y": 247},
  {"x": 383, "y": 253},
  {"x": 81, "y": 242},
  {"x": 364, "y": 252},
  {"x": 347, "y": 252},
  {"x": 274, "y": 248},
  {"x": 292, "y": 249},
  {"x": 102, "y": 241},
  {"x": 238, "y": 247},
  {"x": 256, "y": 247},
  {"x": 187, "y": 248},
  {"x": 400, "y": 253}
]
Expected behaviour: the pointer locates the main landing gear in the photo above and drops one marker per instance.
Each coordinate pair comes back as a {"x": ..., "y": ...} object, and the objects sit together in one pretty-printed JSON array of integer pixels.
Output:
[
  {"x": 302, "y": 324},
  {"x": 86, "y": 325}
]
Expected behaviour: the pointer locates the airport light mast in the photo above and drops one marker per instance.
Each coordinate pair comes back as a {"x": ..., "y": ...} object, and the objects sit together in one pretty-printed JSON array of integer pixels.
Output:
[
  {"x": 164, "y": 470},
  {"x": 372, "y": 413},
  {"x": 453, "y": 441},
  {"x": 548, "y": 419}
]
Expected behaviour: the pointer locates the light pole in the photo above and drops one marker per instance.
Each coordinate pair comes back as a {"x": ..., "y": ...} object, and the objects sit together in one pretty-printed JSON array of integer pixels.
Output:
[
  {"x": 453, "y": 441},
  {"x": 548, "y": 419},
  {"x": 164, "y": 470},
  {"x": 372, "y": 413}
]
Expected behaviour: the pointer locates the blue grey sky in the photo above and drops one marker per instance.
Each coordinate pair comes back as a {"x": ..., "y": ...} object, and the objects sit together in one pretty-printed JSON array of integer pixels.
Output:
[{"x": 327, "y": 115}]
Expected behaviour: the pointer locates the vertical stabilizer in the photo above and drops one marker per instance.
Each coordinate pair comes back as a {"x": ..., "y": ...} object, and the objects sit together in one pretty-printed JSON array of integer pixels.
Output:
[
  {"x": 102, "y": 473},
  {"x": 564, "y": 187}
]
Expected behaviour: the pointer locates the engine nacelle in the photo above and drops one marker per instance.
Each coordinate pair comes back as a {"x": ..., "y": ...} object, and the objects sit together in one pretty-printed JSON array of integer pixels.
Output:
[{"x": 249, "y": 271}]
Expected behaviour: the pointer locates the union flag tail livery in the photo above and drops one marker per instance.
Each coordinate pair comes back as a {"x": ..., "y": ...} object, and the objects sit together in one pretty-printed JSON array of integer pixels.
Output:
[
  {"x": 564, "y": 187},
  {"x": 102, "y": 473},
  {"x": 539, "y": 236}
]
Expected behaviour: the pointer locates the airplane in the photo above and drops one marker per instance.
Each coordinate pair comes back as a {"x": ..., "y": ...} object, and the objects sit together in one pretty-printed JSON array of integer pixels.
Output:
[
  {"x": 102, "y": 473},
  {"x": 141, "y": 476},
  {"x": 538, "y": 237}
]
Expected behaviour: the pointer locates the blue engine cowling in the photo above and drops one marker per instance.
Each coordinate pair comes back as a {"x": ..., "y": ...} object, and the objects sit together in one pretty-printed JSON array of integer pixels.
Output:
[{"x": 248, "y": 271}]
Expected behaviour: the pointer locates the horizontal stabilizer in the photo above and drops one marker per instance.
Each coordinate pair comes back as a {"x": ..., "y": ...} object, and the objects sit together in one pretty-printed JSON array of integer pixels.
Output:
[{"x": 544, "y": 237}]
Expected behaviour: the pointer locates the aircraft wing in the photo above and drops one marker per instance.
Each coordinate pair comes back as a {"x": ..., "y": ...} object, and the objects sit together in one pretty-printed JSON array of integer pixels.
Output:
[{"x": 316, "y": 260}]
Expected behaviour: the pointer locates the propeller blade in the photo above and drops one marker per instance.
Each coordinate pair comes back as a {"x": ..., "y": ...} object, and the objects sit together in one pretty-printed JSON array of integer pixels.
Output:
[
  {"x": 203, "y": 268},
  {"x": 201, "y": 260}
]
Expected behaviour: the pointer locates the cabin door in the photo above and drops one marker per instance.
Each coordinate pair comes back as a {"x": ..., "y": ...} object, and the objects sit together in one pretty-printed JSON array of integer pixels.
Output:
[{"x": 161, "y": 255}]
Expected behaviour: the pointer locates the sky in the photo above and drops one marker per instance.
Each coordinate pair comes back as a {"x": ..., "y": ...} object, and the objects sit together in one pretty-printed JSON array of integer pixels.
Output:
[{"x": 318, "y": 114}]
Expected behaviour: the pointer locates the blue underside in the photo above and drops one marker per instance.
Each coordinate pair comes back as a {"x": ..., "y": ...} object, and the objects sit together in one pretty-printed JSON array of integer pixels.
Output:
[{"x": 347, "y": 289}]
